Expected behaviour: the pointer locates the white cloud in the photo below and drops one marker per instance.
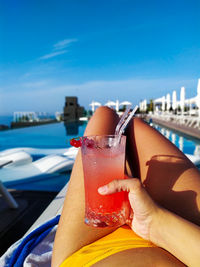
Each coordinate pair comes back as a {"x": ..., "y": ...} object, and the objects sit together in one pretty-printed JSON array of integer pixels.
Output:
[
  {"x": 53, "y": 54},
  {"x": 59, "y": 48},
  {"x": 64, "y": 43},
  {"x": 35, "y": 84}
]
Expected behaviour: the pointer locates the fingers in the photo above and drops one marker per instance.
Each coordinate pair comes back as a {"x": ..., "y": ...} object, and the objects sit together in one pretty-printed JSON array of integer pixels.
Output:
[{"x": 129, "y": 185}]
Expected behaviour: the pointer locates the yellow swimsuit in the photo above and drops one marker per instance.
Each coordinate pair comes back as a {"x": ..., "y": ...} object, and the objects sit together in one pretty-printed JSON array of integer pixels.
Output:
[{"x": 121, "y": 239}]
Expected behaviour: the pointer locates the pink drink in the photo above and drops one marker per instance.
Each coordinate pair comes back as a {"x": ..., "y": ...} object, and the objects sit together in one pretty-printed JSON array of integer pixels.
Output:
[{"x": 103, "y": 161}]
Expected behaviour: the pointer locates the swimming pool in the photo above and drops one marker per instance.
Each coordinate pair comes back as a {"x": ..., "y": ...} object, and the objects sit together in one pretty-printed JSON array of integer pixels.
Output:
[
  {"x": 185, "y": 143},
  {"x": 55, "y": 135},
  {"x": 58, "y": 135}
]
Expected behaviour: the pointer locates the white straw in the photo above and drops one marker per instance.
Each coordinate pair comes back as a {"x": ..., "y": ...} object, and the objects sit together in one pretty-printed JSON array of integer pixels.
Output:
[
  {"x": 127, "y": 121},
  {"x": 122, "y": 120}
]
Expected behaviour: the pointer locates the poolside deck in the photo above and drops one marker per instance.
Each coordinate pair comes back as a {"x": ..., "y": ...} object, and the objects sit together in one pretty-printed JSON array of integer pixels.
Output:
[
  {"x": 194, "y": 132},
  {"x": 15, "y": 223}
]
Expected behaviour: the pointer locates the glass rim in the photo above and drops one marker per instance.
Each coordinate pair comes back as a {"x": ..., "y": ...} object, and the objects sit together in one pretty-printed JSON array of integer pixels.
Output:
[{"x": 104, "y": 135}]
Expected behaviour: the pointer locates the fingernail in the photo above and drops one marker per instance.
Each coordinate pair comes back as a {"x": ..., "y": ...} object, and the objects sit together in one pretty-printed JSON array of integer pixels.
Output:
[{"x": 103, "y": 189}]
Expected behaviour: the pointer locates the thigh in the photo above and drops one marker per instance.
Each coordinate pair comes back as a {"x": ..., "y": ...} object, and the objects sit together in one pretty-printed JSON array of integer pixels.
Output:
[
  {"x": 168, "y": 175},
  {"x": 72, "y": 233},
  {"x": 141, "y": 257}
]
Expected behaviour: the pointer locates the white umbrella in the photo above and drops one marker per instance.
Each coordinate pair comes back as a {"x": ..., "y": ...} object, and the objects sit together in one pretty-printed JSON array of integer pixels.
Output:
[
  {"x": 125, "y": 103},
  {"x": 93, "y": 104},
  {"x": 110, "y": 103},
  {"x": 163, "y": 103},
  {"x": 174, "y": 99},
  {"x": 168, "y": 102},
  {"x": 182, "y": 98}
]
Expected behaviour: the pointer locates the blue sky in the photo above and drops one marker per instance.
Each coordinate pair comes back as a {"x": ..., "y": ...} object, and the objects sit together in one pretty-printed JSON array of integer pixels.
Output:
[{"x": 97, "y": 50}]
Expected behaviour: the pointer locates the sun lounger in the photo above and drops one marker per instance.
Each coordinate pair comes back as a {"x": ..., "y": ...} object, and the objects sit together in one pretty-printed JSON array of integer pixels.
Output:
[
  {"x": 8, "y": 197},
  {"x": 36, "y": 170},
  {"x": 35, "y": 249},
  {"x": 42, "y": 252},
  {"x": 42, "y": 234},
  {"x": 39, "y": 151},
  {"x": 29, "y": 242},
  {"x": 14, "y": 158}
]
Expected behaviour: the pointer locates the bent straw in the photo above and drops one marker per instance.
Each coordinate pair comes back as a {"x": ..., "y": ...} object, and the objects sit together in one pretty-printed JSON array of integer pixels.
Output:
[
  {"x": 122, "y": 120},
  {"x": 127, "y": 121}
]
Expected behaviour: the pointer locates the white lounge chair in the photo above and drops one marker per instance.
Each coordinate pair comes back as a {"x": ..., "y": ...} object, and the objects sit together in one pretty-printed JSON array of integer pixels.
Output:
[
  {"x": 8, "y": 197},
  {"x": 14, "y": 158},
  {"x": 39, "y": 151},
  {"x": 36, "y": 170}
]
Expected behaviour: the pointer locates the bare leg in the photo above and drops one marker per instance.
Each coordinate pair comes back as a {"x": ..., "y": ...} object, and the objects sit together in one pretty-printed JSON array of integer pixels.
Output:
[
  {"x": 72, "y": 233},
  {"x": 170, "y": 178},
  {"x": 161, "y": 165},
  {"x": 141, "y": 257}
]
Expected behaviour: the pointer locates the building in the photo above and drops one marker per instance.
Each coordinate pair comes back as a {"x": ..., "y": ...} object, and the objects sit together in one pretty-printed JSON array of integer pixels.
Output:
[{"x": 72, "y": 110}]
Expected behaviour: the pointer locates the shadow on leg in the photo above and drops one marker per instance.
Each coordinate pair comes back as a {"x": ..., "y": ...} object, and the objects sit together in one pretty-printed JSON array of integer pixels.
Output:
[{"x": 168, "y": 175}]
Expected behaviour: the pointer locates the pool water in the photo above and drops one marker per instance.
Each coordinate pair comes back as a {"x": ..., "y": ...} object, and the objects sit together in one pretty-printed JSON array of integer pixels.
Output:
[
  {"x": 56, "y": 135},
  {"x": 185, "y": 143}
]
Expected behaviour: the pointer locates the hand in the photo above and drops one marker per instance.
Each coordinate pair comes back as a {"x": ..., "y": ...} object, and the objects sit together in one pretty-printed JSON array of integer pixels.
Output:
[{"x": 143, "y": 207}]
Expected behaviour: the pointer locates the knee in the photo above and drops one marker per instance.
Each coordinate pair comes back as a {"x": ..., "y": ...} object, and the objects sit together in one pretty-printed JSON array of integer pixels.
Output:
[
  {"x": 105, "y": 111},
  {"x": 103, "y": 121},
  {"x": 134, "y": 124}
]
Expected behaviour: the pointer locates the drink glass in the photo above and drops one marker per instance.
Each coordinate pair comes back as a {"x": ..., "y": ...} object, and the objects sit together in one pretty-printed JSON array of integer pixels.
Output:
[{"x": 103, "y": 160}]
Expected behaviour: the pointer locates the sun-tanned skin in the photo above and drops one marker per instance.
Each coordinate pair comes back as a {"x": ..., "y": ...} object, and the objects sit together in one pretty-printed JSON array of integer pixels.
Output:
[
  {"x": 158, "y": 225},
  {"x": 171, "y": 180}
]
